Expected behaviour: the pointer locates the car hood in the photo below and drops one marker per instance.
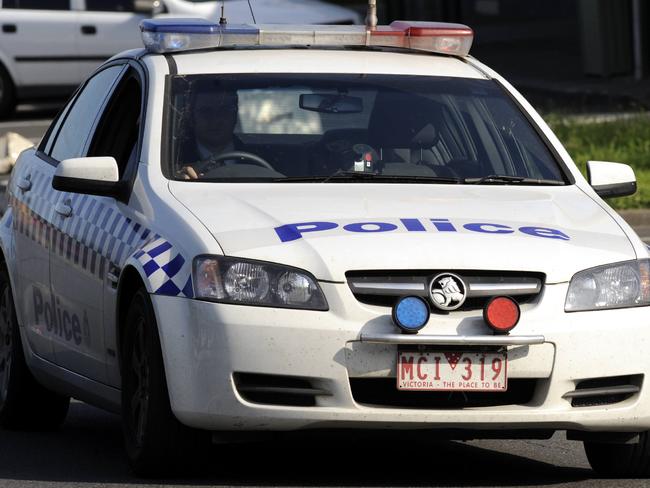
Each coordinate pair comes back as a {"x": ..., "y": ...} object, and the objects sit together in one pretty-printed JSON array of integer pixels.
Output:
[{"x": 329, "y": 229}]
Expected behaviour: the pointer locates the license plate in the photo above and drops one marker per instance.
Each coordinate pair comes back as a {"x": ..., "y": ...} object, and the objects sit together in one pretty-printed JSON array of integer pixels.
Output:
[{"x": 452, "y": 371}]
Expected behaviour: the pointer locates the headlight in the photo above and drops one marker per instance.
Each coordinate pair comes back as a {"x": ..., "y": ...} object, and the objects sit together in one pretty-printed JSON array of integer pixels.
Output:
[
  {"x": 245, "y": 282},
  {"x": 612, "y": 286}
]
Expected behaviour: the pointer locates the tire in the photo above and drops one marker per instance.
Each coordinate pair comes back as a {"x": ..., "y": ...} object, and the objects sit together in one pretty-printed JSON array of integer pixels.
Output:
[
  {"x": 24, "y": 403},
  {"x": 156, "y": 443},
  {"x": 7, "y": 94},
  {"x": 620, "y": 460}
]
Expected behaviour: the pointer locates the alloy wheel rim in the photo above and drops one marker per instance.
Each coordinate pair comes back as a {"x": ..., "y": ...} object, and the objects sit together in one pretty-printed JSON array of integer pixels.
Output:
[
  {"x": 6, "y": 343},
  {"x": 139, "y": 399}
]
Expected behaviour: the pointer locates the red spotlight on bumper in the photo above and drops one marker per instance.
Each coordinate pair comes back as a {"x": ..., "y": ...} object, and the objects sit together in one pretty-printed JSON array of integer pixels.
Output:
[{"x": 501, "y": 314}]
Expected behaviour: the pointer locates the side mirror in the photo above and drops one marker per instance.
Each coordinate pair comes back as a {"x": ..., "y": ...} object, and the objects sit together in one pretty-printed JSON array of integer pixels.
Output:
[
  {"x": 91, "y": 176},
  {"x": 611, "y": 179}
]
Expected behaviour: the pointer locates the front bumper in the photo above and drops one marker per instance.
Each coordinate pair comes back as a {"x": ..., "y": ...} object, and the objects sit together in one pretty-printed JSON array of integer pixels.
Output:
[{"x": 206, "y": 344}]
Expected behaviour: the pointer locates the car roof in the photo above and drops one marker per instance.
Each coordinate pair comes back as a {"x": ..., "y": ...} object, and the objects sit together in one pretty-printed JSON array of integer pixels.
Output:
[
  {"x": 130, "y": 54},
  {"x": 319, "y": 60}
]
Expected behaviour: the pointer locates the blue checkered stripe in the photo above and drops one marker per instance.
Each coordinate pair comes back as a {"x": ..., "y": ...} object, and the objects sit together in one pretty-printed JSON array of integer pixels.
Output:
[
  {"x": 166, "y": 269},
  {"x": 95, "y": 237},
  {"x": 98, "y": 230}
]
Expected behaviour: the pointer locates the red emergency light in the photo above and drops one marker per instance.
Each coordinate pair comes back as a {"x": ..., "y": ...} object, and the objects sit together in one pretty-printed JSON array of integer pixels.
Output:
[
  {"x": 436, "y": 37},
  {"x": 502, "y": 314}
]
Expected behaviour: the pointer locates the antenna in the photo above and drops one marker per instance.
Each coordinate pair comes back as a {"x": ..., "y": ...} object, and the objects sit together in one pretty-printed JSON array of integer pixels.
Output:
[
  {"x": 371, "y": 18},
  {"x": 252, "y": 14},
  {"x": 222, "y": 20}
]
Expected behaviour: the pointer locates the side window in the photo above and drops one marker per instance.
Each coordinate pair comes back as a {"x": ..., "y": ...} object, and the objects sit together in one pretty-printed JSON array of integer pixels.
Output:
[
  {"x": 119, "y": 128},
  {"x": 46, "y": 143},
  {"x": 110, "y": 5},
  {"x": 79, "y": 123},
  {"x": 37, "y": 4}
]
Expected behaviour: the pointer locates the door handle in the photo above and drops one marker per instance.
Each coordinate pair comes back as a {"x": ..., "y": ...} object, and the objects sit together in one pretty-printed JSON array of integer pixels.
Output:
[
  {"x": 9, "y": 28},
  {"x": 88, "y": 30},
  {"x": 25, "y": 184},
  {"x": 63, "y": 209}
]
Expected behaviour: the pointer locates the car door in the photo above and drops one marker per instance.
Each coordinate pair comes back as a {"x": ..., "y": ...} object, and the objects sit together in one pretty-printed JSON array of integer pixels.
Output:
[
  {"x": 31, "y": 214},
  {"x": 75, "y": 312},
  {"x": 33, "y": 201},
  {"x": 40, "y": 37},
  {"x": 92, "y": 237},
  {"x": 108, "y": 27}
]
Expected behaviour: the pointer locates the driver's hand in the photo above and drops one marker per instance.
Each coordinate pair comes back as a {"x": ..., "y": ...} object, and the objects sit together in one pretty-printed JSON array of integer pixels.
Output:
[
  {"x": 187, "y": 173},
  {"x": 198, "y": 168}
]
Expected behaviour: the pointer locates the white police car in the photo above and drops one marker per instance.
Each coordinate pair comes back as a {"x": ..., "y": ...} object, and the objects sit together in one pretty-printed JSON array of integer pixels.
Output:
[{"x": 265, "y": 228}]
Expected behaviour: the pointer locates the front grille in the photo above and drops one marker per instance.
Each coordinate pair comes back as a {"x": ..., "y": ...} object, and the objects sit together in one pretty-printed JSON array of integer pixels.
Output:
[
  {"x": 277, "y": 390},
  {"x": 383, "y": 392},
  {"x": 470, "y": 303},
  {"x": 384, "y": 288}
]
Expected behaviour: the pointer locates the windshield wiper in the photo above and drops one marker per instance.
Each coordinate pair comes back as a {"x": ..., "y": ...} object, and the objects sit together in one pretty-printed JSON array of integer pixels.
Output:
[
  {"x": 507, "y": 179},
  {"x": 354, "y": 176}
]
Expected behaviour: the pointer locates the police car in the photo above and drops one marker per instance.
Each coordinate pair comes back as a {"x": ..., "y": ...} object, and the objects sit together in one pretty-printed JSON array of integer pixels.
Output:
[{"x": 245, "y": 228}]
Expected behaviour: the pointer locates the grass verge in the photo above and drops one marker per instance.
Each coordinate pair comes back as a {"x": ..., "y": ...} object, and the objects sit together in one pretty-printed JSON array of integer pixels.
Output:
[{"x": 622, "y": 141}]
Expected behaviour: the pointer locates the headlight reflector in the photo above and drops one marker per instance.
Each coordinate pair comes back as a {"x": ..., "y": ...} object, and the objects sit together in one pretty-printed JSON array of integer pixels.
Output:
[
  {"x": 617, "y": 285},
  {"x": 294, "y": 288},
  {"x": 246, "y": 282}
]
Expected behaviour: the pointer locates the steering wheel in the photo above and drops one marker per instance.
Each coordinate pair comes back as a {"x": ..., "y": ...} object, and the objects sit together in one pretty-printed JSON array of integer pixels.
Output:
[{"x": 240, "y": 156}]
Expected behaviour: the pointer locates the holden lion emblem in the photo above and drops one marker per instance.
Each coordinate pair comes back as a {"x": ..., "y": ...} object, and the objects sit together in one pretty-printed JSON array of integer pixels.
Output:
[{"x": 448, "y": 291}]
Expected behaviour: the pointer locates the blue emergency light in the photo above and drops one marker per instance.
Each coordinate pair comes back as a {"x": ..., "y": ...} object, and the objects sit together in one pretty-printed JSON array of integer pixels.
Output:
[
  {"x": 174, "y": 35},
  {"x": 411, "y": 313}
]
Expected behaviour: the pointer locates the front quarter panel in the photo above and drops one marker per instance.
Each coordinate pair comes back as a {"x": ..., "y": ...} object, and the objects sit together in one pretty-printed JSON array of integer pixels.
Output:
[
  {"x": 169, "y": 238},
  {"x": 163, "y": 259}
]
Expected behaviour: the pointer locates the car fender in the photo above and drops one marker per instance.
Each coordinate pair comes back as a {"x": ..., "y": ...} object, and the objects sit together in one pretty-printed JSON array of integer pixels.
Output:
[{"x": 163, "y": 268}]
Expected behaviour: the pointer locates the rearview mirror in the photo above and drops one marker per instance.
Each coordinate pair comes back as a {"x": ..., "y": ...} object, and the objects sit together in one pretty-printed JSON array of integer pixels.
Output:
[
  {"x": 91, "y": 176},
  {"x": 611, "y": 179},
  {"x": 331, "y": 104}
]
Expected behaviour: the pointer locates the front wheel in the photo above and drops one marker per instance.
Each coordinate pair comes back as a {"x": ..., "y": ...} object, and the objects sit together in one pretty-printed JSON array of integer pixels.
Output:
[
  {"x": 620, "y": 460},
  {"x": 156, "y": 442}
]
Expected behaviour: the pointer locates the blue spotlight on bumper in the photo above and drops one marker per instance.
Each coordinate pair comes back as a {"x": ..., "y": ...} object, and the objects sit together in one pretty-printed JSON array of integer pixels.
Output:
[{"x": 411, "y": 314}]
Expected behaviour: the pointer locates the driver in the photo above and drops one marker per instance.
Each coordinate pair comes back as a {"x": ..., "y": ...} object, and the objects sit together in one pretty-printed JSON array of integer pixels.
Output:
[{"x": 214, "y": 116}]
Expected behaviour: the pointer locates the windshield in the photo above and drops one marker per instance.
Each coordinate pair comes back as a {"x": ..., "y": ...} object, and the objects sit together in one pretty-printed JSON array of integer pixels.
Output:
[{"x": 365, "y": 128}]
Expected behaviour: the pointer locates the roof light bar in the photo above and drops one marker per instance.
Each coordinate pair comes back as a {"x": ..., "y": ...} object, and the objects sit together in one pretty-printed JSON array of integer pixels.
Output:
[{"x": 176, "y": 35}]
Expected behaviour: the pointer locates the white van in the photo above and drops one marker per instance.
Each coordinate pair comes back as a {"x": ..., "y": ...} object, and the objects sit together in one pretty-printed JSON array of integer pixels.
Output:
[{"x": 47, "y": 47}]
